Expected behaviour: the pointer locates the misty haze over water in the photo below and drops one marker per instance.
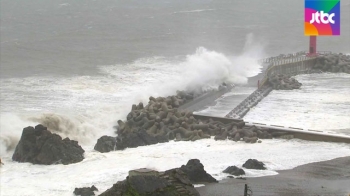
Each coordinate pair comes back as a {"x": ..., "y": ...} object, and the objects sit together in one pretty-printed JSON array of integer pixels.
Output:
[{"x": 72, "y": 37}]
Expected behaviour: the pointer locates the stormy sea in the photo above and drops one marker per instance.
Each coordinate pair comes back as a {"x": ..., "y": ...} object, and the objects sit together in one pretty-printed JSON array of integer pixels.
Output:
[{"x": 78, "y": 66}]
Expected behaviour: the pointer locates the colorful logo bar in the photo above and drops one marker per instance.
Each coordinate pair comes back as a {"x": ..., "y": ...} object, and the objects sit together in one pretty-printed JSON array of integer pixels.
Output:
[{"x": 322, "y": 17}]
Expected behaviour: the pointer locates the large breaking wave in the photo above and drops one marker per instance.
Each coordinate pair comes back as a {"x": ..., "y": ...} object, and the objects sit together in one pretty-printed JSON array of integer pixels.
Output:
[{"x": 85, "y": 107}]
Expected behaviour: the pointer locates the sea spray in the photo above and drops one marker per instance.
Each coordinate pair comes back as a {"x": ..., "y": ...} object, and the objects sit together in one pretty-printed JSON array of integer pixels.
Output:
[
  {"x": 84, "y": 108},
  {"x": 11, "y": 129},
  {"x": 76, "y": 128}
]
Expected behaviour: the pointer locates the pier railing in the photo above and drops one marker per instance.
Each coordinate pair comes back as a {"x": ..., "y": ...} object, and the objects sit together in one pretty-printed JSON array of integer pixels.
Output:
[{"x": 288, "y": 65}]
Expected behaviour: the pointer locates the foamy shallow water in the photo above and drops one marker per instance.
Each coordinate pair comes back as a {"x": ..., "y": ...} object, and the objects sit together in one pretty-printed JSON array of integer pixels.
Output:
[
  {"x": 322, "y": 103},
  {"x": 105, "y": 169}
]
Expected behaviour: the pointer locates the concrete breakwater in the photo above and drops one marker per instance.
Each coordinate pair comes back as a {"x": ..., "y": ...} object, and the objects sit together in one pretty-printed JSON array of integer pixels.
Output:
[
  {"x": 277, "y": 76},
  {"x": 274, "y": 82},
  {"x": 206, "y": 98},
  {"x": 334, "y": 63},
  {"x": 171, "y": 118},
  {"x": 252, "y": 100},
  {"x": 162, "y": 120}
]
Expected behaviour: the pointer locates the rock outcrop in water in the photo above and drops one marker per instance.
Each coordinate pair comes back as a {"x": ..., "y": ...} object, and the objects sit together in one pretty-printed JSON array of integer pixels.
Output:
[
  {"x": 333, "y": 63},
  {"x": 85, "y": 191},
  {"x": 145, "y": 182},
  {"x": 40, "y": 146},
  {"x": 254, "y": 164},
  {"x": 283, "y": 82},
  {"x": 105, "y": 144},
  {"x": 196, "y": 173},
  {"x": 233, "y": 170}
]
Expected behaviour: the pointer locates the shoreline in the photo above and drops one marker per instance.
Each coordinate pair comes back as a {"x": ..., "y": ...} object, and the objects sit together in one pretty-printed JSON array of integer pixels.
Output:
[{"x": 330, "y": 177}]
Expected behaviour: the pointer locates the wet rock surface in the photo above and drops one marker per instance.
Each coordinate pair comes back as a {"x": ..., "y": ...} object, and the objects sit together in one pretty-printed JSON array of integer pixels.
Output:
[
  {"x": 144, "y": 182},
  {"x": 233, "y": 170},
  {"x": 196, "y": 173},
  {"x": 254, "y": 164},
  {"x": 40, "y": 146},
  {"x": 283, "y": 82},
  {"x": 105, "y": 144},
  {"x": 85, "y": 191},
  {"x": 335, "y": 63}
]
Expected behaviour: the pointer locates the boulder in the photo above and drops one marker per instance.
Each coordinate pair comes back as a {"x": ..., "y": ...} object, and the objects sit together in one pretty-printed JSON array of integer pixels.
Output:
[
  {"x": 149, "y": 182},
  {"x": 40, "y": 146},
  {"x": 85, "y": 191},
  {"x": 137, "y": 138},
  {"x": 196, "y": 173},
  {"x": 233, "y": 170},
  {"x": 145, "y": 184},
  {"x": 254, "y": 164},
  {"x": 129, "y": 140},
  {"x": 105, "y": 144}
]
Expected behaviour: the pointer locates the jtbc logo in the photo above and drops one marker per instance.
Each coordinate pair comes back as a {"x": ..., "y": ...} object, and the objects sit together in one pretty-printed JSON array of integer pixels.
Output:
[{"x": 317, "y": 16}]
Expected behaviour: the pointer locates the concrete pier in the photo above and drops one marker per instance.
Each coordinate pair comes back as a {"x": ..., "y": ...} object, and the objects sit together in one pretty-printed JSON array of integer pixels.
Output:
[
  {"x": 289, "y": 66},
  {"x": 311, "y": 135}
]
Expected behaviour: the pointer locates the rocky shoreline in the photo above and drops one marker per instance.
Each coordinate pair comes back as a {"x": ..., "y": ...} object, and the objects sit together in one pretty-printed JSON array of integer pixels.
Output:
[
  {"x": 173, "y": 182},
  {"x": 177, "y": 181},
  {"x": 39, "y": 146},
  {"x": 162, "y": 120}
]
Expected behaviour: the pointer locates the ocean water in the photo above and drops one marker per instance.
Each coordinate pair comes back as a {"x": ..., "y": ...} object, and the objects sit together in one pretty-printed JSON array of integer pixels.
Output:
[
  {"x": 103, "y": 170},
  {"x": 77, "y": 67},
  {"x": 322, "y": 103}
]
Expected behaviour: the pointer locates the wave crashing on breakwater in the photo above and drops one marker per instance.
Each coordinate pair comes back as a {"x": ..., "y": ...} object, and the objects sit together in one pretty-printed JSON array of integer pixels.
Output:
[{"x": 85, "y": 107}]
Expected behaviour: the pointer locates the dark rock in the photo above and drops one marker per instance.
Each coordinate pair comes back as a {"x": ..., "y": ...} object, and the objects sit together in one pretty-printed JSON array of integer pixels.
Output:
[
  {"x": 196, "y": 173},
  {"x": 172, "y": 182},
  {"x": 105, "y": 144},
  {"x": 233, "y": 170},
  {"x": 129, "y": 140},
  {"x": 138, "y": 138},
  {"x": 85, "y": 191},
  {"x": 144, "y": 184},
  {"x": 254, "y": 164},
  {"x": 162, "y": 138},
  {"x": 39, "y": 146},
  {"x": 146, "y": 138}
]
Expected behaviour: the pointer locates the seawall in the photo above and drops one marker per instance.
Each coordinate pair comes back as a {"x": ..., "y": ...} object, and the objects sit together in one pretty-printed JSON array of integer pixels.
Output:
[
  {"x": 311, "y": 135},
  {"x": 289, "y": 66}
]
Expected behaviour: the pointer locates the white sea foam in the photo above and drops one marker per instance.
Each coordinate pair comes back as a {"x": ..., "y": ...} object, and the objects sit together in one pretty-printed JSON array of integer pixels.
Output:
[
  {"x": 84, "y": 108},
  {"x": 103, "y": 170},
  {"x": 322, "y": 103}
]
